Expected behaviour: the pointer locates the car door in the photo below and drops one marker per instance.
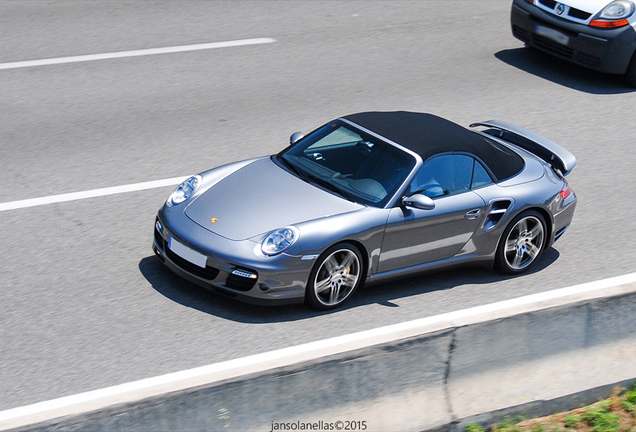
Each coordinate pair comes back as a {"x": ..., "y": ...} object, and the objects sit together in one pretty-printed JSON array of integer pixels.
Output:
[{"x": 415, "y": 236}]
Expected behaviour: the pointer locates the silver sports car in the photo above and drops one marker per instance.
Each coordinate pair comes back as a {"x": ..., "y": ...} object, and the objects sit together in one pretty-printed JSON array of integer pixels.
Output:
[{"x": 363, "y": 199}]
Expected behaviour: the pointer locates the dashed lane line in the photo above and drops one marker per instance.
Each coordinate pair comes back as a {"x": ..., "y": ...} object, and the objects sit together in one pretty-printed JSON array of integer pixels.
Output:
[
  {"x": 135, "y": 53},
  {"x": 73, "y": 196}
]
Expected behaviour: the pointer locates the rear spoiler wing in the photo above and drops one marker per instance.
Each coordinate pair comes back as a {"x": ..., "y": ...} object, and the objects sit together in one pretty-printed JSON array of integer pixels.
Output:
[{"x": 542, "y": 147}]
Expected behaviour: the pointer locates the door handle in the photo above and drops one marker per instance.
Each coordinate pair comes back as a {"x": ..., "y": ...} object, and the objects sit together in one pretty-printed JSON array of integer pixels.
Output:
[{"x": 473, "y": 214}]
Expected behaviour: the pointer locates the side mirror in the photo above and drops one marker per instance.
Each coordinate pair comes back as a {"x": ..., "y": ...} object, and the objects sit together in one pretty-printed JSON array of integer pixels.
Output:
[
  {"x": 419, "y": 201},
  {"x": 295, "y": 137}
]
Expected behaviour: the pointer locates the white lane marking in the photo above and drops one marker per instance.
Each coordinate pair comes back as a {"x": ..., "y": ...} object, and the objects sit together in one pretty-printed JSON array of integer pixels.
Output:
[
  {"x": 137, "y": 390},
  {"x": 134, "y": 53},
  {"x": 32, "y": 202}
]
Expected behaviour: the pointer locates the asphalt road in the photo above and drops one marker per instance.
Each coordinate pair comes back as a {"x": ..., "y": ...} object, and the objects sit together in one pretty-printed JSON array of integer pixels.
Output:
[{"x": 85, "y": 304}]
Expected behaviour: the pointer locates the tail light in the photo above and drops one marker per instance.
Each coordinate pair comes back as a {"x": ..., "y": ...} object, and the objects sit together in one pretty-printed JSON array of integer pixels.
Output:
[{"x": 566, "y": 190}]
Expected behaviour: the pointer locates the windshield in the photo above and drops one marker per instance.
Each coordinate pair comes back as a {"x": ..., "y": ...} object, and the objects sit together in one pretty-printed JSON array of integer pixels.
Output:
[{"x": 351, "y": 163}]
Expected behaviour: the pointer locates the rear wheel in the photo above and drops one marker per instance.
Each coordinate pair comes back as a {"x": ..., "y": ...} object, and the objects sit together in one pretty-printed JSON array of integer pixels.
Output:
[
  {"x": 522, "y": 242},
  {"x": 334, "y": 278}
]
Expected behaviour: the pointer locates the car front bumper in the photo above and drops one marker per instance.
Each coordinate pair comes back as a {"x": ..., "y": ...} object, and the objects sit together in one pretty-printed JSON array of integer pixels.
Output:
[
  {"x": 605, "y": 50},
  {"x": 232, "y": 268}
]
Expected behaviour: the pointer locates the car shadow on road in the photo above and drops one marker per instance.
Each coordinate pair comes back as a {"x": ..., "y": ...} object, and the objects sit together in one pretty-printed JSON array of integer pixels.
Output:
[
  {"x": 193, "y": 296},
  {"x": 564, "y": 73}
]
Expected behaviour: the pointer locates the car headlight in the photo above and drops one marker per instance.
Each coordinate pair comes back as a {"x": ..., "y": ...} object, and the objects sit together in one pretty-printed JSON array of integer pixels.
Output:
[
  {"x": 614, "y": 14},
  {"x": 617, "y": 9},
  {"x": 279, "y": 240},
  {"x": 185, "y": 190}
]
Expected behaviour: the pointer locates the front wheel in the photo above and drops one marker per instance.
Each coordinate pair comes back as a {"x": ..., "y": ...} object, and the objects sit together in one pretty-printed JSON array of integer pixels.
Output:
[
  {"x": 336, "y": 275},
  {"x": 521, "y": 243}
]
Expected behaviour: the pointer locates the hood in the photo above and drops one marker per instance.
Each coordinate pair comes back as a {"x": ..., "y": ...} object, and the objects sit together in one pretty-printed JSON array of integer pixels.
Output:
[{"x": 260, "y": 198}]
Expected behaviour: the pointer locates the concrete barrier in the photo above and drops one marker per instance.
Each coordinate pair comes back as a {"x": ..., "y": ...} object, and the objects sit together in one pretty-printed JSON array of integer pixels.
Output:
[{"x": 554, "y": 350}]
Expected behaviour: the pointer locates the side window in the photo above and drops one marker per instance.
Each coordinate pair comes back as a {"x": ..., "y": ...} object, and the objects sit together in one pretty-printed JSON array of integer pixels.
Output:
[
  {"x": 444, "y": 175},
  {"x": 480, "y": 176}
]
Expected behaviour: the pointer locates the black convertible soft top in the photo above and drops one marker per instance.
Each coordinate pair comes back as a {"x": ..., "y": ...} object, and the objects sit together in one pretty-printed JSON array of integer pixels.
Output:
[{"x": 428, "y": 135}]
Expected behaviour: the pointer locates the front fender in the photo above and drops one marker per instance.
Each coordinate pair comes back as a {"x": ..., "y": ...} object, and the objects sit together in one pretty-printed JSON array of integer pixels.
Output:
[{"x": 364, "y": 227}]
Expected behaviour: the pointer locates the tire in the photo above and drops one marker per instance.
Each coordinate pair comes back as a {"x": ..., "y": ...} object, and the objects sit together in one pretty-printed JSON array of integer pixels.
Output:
[
  {"x": 335, "y": 276},
  {"x": 522, "y": 243},
  {"x": 630, "y": 74}
]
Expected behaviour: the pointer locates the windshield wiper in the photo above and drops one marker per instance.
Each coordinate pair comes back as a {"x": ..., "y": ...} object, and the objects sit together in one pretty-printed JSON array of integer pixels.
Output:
[
  {"x": 293, "y": 168},
  {"x": 316, "y": 179},
  {"x": 330, "y": 186}
]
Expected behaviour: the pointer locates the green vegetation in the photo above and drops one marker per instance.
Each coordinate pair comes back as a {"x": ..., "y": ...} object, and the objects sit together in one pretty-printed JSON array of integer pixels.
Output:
[
  {"x": 474, "y": 428},
  {"x": 601, "y": 419},
  {"x": 571, "y": 421},
  {"x": 614, "y": 414}
]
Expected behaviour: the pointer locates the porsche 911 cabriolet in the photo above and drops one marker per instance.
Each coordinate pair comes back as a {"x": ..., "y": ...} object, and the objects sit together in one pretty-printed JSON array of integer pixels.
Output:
[{"x": 367, "y": 198}]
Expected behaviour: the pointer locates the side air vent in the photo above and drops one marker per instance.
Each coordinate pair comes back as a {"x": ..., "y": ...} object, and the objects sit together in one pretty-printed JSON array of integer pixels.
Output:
[{"x": 495, "y": 213}]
